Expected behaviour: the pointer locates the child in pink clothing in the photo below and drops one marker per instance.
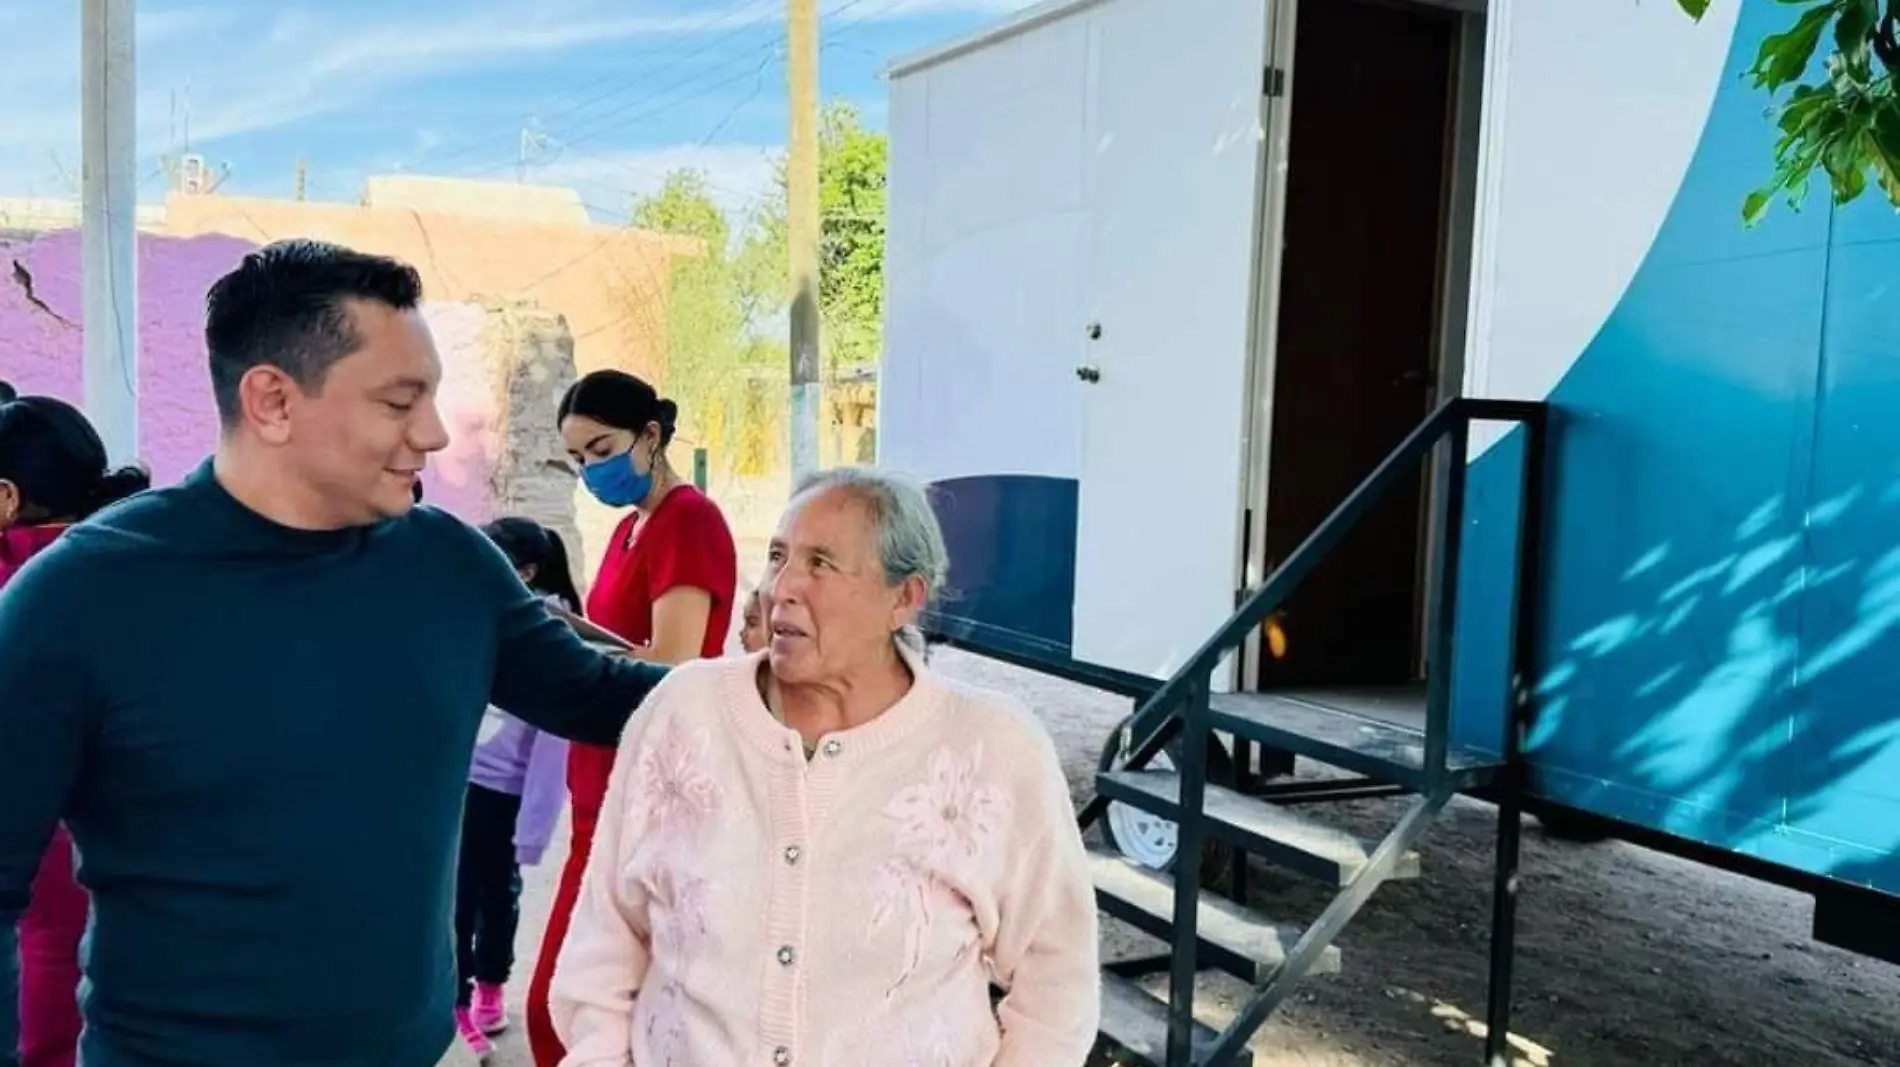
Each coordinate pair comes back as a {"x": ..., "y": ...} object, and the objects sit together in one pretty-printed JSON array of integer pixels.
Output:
[
  {"x": 825, "y": 852},
  {"x": 517, "y": 785},
  {"x": 50, "y": 933},
  {"x": 52, "y": 473}
]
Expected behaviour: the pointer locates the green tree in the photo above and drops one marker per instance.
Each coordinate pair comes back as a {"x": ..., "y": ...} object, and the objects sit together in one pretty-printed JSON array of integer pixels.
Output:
[
  {"x": 724, "y": 325},
  {"x": 1842, "y": 116},
  {"x": 851, "y": 197},
  {"x": 713, "y": 312},
  {"x": 683, "y": 206}
]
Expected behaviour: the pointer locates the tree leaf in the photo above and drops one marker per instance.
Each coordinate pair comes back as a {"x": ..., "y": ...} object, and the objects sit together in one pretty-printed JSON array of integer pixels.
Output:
[
  {"x": 1695, "y": 9},
  {"x": 1884, "y": 131},
  {"x": 1803, "y": 107},
  {"x": 1846, "y": 168},
  {"x": 1887, "y": 172},
  {"x": 1853, "y": 34},
  {"x": 1784, "y": 57},
  {"x": 1755, "y": 207}
]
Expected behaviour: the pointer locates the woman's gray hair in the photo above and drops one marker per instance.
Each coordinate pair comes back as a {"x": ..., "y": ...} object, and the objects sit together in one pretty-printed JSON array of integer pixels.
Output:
[{"x": 909, "y": 538}]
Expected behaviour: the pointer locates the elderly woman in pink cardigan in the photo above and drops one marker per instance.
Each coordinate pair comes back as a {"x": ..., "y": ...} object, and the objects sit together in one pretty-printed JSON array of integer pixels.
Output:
[{"x": 824, "y": 854}]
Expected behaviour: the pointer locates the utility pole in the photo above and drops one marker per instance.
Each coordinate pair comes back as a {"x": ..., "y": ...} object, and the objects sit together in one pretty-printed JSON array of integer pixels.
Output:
[
  {"x": 802, "y": 231},
  {"x": 532, "y": 150},
  {"x": 303, "y": 178},
  {"x": 108, "y": 232}
]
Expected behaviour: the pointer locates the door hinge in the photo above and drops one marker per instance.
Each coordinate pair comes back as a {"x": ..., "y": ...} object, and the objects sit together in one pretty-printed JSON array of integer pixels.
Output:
[{"x": 1273, "y": 83}]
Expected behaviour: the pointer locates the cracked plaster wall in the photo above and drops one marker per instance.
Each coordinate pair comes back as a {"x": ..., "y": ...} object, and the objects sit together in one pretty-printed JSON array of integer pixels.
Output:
[{"x": 502, "y": 366}]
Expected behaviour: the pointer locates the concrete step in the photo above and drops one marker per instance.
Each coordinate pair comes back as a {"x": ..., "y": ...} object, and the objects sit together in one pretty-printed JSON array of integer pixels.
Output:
[
  {"x": 1304, "y": 725},
  {"x": 1135, "y": 1026},
  {"x": 1235, "y": 939}
]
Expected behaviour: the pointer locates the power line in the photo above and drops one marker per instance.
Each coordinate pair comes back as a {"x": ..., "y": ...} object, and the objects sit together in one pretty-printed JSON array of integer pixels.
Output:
[
  {"x": 644, "y": 76},
  {"x": 637, "y": 306},
  {"x": 838, "y": 30},
  {"x": 601, "y": 125},
  {"x": 736, "y": 69},
  {"x": 619, "y": 231}
]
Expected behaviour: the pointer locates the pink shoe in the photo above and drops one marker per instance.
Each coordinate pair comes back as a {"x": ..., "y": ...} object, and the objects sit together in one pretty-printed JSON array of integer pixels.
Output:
[
  {"x": 478, "y": 1042},
  {"x": 490, "y": 1013}
]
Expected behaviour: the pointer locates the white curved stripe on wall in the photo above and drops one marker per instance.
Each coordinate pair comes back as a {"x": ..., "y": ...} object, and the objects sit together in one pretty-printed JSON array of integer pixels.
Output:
[{"x": 1593, "y": 110}]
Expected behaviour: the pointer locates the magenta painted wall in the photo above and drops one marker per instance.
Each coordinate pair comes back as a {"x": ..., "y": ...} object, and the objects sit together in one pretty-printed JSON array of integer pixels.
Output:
[
  {"x": 41, "y": 352},
  {"x": 457, "y": 478}
]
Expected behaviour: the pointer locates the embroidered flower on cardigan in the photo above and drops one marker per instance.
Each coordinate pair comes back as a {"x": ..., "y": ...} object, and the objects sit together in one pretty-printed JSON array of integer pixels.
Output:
[
  {"x": 900, "y": 889},
  {"x": 671, "y": 789},
  {"x": 945, "y": 825},
  {"x": 948, "y": 821},
  {"x": 666, "y": 1025},
  {"x": 678, "y": 910}
]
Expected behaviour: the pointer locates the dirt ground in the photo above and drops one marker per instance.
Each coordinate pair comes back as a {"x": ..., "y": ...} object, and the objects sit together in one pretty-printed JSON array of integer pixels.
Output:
[{"x": 1627, "y": 958}]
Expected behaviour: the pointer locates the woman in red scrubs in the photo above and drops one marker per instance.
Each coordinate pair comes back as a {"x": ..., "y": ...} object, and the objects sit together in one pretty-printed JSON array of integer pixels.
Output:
[
  {"x": 666, "y": 583},
  {"x": 52, "y": 474}
]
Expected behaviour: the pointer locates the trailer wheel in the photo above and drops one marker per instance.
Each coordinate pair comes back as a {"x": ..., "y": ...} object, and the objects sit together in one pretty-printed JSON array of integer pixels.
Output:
[{"x": 1149, "y": 839}]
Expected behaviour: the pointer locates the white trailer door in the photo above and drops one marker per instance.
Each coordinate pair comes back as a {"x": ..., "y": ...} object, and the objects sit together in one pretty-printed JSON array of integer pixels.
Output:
[{"x": 1173, "y": 154}]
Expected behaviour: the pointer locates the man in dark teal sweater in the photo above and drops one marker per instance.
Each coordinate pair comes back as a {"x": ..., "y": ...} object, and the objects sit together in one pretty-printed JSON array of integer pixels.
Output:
[{"x": 252, "y": 697}]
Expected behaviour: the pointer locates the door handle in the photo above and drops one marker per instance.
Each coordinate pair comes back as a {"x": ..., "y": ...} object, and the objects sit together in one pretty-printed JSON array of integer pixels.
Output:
[{"x": 1089, "y": 374}]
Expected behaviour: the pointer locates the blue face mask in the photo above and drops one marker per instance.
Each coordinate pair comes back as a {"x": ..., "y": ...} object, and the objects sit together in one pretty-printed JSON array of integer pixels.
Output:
[{"x": 614, "y": 481}]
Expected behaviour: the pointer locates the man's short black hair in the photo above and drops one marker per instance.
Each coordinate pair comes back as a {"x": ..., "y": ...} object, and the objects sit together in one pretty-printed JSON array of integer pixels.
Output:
[{"x": 285, "y": 307}]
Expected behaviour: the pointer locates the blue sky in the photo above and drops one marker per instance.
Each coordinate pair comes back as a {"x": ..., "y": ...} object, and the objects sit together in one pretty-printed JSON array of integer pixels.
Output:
[{"x": 621, "y": 90}]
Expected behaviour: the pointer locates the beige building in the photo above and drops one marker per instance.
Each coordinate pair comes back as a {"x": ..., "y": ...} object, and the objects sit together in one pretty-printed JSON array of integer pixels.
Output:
[
  {"x": 39, "y": 214},
  {"x": 493, "y": 244},
  {"x": 476, "y": 241},
  {"x": 525, "y": 246}
]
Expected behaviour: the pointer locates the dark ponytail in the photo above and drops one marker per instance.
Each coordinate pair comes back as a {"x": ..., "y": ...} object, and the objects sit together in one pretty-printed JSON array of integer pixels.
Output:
[
  {"x": 55, "y": 458},
  {"x": 116, "y": 485},
  {"x": 527, "y": 544},
  {"x": 556, "y": 577},
  {"x": 667, "y": 414},
  {"x": 620, "y": 400}
]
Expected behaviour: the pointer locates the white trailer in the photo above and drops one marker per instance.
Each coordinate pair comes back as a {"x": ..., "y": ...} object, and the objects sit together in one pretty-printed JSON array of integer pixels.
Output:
[
  {"x": 1168, "y": 279},
  {"x": 1091, "y": 217}
]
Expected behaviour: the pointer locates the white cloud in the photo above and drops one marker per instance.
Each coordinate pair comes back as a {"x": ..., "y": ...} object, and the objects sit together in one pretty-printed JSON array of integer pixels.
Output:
[
  {"x": 739, "y": 177},
  {"x": 162, "y": 27},
  {"x": 246, "y": 75},
  {"x": 516, "y": 30},
  {"x": 39, "y": 92},
  {"x": 286, "y": 80},
  {"x": 369, "y": 58}
]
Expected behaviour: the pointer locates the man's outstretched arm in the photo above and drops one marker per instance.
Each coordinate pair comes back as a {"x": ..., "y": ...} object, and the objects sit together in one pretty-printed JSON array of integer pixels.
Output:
[
  {"x": 546, "y": 676},
  {"x": 43, "y": 711}
]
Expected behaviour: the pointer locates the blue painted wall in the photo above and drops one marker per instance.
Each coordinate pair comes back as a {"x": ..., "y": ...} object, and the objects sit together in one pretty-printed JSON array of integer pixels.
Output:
[{"x": 1722, "y": 586}]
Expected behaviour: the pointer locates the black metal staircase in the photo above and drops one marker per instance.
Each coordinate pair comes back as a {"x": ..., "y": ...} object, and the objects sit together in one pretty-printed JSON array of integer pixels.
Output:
[{"x": 1206, "y": 931}]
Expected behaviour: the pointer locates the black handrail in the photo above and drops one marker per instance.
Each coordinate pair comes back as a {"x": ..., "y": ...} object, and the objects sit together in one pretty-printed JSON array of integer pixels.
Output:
[
  {"x": 1005, "y": 648},
  {"x": 1155, "y": 716}
]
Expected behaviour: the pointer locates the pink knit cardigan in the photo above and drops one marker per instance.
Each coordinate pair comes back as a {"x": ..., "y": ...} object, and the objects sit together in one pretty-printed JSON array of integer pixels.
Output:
[{"x": 743, "y": 906}]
